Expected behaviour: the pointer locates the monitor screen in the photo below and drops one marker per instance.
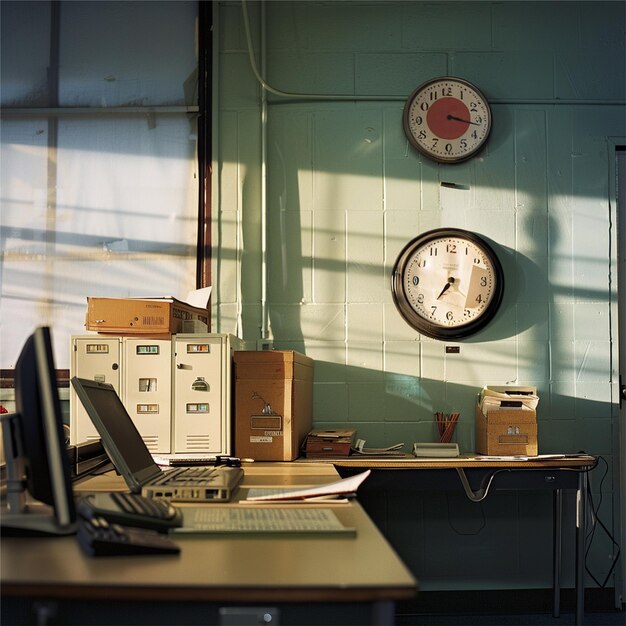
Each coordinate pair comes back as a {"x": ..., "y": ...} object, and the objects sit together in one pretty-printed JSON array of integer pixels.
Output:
[{"x": 35, "y": 447}]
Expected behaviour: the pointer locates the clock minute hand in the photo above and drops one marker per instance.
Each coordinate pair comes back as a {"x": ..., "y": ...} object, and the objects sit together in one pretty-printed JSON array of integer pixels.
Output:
[{"x": 460, "y": 119}]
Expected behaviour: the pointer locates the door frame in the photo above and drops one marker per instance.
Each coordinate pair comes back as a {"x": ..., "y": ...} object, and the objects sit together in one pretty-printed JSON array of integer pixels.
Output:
[{"x": 617, "y": 200}]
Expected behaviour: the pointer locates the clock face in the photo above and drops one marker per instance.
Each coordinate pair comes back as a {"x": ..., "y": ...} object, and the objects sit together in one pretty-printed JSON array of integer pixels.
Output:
[
  {"x": 447, "y": 283},
  {"x": 447, "y": 119}
]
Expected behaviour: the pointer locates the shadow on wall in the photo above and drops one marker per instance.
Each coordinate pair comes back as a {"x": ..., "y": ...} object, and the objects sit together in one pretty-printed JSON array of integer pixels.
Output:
[{"x": 389, "y": 408}]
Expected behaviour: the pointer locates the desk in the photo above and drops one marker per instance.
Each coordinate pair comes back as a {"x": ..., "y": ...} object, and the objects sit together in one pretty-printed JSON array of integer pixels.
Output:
[
  {"x": 350, "y": 580},
  {"x": 479, "y": 478}
]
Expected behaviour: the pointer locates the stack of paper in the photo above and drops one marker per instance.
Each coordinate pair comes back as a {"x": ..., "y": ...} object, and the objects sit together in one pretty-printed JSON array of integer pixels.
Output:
[
  {"x": 344, "y": 488},
  {"x": 394, "y": 450},
  {"x": 508, "y": 397}
]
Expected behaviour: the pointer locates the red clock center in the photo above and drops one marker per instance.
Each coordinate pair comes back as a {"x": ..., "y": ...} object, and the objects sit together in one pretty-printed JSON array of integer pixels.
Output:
[{"x": 448, "y": 118}]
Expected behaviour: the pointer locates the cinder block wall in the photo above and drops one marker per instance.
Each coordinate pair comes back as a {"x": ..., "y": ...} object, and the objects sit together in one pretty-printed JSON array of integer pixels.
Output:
[{"x": 344, "y": 192}]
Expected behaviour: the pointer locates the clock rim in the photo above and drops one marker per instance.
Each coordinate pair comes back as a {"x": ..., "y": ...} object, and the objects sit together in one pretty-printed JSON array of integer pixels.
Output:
[
  {"x": 421, "y": 324},
  {"x": 409, "y": 135}
]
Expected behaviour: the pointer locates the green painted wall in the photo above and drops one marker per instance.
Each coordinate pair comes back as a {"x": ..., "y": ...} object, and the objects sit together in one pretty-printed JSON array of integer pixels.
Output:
[{"x": 345, "y": 192}]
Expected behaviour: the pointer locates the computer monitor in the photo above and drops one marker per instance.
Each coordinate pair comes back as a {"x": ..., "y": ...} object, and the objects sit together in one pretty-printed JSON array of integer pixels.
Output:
[{"x": 35, "y": 450}]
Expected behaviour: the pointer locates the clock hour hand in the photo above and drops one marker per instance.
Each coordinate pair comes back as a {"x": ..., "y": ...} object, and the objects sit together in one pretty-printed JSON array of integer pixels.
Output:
[
  {"x": 460, "y": 119},
  {"x": 446, "y": 287}
]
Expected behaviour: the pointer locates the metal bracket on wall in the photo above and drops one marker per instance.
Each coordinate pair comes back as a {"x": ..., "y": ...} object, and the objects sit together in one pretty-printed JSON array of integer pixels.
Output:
[{"x": 480, "y": 494}]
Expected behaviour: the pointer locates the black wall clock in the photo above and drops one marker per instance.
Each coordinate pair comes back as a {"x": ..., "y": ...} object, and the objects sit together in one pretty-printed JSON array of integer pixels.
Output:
[
  {"x": 447, "y": 283},
  {"x": 448, "y": 119}
]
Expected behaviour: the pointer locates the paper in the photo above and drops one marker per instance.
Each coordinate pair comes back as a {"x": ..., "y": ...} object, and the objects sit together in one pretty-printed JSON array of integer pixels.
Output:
[
  {"x": 393, "y": 451},
  {"x": 199, "y": 297},
  {"x": 522, "y": 398},
  {"x": 344, "y": 487},
  {"x": 521, "y": 457}
]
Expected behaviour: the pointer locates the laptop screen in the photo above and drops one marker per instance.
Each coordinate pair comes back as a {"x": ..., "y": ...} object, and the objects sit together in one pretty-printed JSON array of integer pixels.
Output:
[{"x": 119, "y": 435}]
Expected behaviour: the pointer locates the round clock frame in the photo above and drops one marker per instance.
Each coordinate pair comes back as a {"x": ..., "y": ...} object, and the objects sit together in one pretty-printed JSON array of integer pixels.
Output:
[
  {"x": 451, "y": 267},
  {"x": 448, "y": 119}
]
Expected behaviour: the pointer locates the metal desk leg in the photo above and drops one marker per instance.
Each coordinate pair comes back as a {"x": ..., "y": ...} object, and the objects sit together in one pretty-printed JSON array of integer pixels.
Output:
[
  {"x": 557, "y": 521},
  {"x": 581, "y": 518},
  {"x": 383, "y": 613}
]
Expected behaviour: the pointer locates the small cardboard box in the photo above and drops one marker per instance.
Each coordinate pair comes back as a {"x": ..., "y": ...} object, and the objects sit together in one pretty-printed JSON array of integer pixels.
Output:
[
  {"x": 329, "y": 443},
  {"x": 139, "y": 316},
  {"x": 273, "y": 403},
  {"x": 506, "y": 432}
]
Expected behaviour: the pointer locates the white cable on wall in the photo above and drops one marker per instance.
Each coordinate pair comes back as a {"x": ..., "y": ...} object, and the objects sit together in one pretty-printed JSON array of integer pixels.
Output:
[{"x": 286, "y": 94}]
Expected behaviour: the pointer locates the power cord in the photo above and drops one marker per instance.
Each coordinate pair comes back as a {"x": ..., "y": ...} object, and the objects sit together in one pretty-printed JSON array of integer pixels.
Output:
[{"x": 595, "y": 522}]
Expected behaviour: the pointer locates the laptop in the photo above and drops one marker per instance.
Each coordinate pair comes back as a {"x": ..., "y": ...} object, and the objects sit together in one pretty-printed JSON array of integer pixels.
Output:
[{"x": 133, "y": 460}]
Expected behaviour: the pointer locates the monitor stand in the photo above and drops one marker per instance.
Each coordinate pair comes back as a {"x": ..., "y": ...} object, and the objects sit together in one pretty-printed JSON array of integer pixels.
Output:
[{"x": 18, "y": 517}]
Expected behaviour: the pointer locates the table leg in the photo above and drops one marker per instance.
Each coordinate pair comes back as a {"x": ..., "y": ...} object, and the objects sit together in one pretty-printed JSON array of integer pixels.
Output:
[
  {"x": 557, "y": 522},
  {"x": 383, "y": 613},
  {"x": 581, "y": 518}
]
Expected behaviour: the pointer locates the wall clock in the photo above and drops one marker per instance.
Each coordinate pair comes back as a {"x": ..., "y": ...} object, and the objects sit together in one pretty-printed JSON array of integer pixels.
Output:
[
  {"x": 447, "y": 283},
  {"x": 448, "y": 119}
]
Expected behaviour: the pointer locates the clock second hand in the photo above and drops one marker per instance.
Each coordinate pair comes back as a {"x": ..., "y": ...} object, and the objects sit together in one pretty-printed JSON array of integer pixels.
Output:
[{"x": 459, "y": 119}]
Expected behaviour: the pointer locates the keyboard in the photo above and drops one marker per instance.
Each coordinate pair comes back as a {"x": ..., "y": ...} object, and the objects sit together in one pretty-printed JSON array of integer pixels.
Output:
[
  {"x": 239, "y": 519},
  {"x": 185, "y": 476},
  {"x": 98, "y": 537}
]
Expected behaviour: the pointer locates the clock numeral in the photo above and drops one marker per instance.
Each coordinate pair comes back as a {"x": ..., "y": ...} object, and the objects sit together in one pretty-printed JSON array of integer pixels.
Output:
[
  {"x": 435, "y": 142},
  {"x": 483, "y": 281},
  {"x": 416, "y": 281},
  {"x": 420, "y": 298},
  {"x": 463, "y": 143},
  {"x": 473, "y": 107},
  {"x": 449, "y": 316},
  {"x": 419, "y": 120},
  {"x": 448, "y": 147},
  {"x": 434, "y": 310},
  {"x": 424, "y": 106},
  {"x": 479, "y": 298},
  {"x": 433, "y": 95},
  {"x": 451, "y": 247},
  {"x": 433, "y": 252},
  {"x": 422, "y": 134}
]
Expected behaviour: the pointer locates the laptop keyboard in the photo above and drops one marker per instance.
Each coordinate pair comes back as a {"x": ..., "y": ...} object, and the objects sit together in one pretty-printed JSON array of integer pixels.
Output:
[{"x": 186, "y": 476}]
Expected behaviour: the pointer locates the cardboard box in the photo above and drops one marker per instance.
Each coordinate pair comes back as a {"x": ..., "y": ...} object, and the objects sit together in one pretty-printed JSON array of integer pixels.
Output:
[
  {"x": 506, "y": 432},
  {"x": 329, "y": 443},
  {"x": 273, "y": 403},
  {"x": 141, "y": 316}
]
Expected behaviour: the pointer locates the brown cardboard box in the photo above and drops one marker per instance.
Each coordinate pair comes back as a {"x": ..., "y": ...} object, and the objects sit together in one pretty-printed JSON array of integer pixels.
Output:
[
  {"x": 329, "y": 443},
  {"x": 273, "y": 403},
  {"x": 150, "y": 316},
  {"x": 506, "y": 432}
]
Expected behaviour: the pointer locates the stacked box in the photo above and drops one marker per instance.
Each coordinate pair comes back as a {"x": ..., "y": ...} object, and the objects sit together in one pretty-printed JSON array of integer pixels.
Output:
[
  {"x": 506, "y": 432},
  {"x": 273, "y": 403},
  {"x": 142, "y": 316}
]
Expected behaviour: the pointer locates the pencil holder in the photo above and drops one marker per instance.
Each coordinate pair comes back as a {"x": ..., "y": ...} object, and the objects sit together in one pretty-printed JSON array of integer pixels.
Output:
[{"x": 446, "y": 422}]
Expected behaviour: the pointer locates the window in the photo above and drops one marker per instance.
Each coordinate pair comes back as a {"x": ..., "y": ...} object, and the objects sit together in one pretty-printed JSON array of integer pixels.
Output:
[{"x": 99, "y": 160}]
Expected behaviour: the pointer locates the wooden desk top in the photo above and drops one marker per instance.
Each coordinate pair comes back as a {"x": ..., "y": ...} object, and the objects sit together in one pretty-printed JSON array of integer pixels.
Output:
[{"x": 222, "y": 568}]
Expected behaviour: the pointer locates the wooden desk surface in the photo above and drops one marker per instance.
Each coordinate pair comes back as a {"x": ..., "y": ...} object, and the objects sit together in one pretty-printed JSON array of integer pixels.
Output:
[{"x": 222, "y": 568}]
